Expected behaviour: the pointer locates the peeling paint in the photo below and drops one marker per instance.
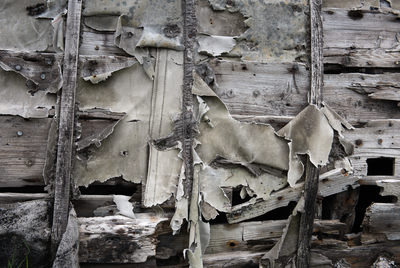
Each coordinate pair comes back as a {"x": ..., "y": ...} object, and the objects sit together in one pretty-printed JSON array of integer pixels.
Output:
[
  {"x": 234, "y": 140},
  {"x": 15, "y": 100},
  {"x": 118, "y": 94},
  {"x": 102, "y": 67},
  {"x": 215, "y": 45},
  {"x": 277, "y": 30},
  {"x": 42, "y": 71},
  {"x": 23, "y": 32},
  {"x": 96, "y": 138}
]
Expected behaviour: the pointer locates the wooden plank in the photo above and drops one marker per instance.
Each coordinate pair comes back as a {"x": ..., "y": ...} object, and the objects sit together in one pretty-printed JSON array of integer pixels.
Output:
[
  {"x": 383, "y": 218},
  {"x": 276, "y": 92},
  {"x": 66, "y": 124},
  {"x": 361, "y": 29},
  {"x": 364, "y": 58},
  {"x": 122, "y": 239},
  {"x": 260, "y": 89},
  {"x": 341, "y": 94},
  {"x": 375, "y": 134},
  {"x": 22, "y": 150},
  {"x": 357, "y": 256},
  {"x": 331, "y": 182},
  {"x": 99, "y": 43},
  {"x": 9, "y": 198}
]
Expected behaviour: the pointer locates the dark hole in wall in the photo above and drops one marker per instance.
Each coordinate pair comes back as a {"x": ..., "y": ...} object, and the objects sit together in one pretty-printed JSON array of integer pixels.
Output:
[
  {"x": 173, "y": 261},
  {"x": 236, "y": 199},
  {"x": 220, "y": 219},
  {"x": 368, "y": 195},
  {"x": 339, "y": 69},
  {"x": 111, "y": 186},
  {"x": 27, "y": 189},
  {"x": 281, "y": 213},
  {"x": 380, "y": 166}
]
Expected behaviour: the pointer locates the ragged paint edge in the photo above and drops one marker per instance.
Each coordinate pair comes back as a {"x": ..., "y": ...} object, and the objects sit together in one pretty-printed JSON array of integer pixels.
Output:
[
  {"x": 124, "y": 206},
  {"x": 97, "y": 138},
  {"x": 58, "y": 24},
  {"x": 25, "y": 68},
  {"x": 99, "y": 68},
  {"x": 215, "y": 45}
]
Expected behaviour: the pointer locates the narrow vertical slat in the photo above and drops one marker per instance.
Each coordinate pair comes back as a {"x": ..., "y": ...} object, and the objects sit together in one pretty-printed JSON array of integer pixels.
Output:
[
  {"x": 189, "y": 35},
  {"x": 312, "y": 172},
  {"x": 66, "y": 124}
]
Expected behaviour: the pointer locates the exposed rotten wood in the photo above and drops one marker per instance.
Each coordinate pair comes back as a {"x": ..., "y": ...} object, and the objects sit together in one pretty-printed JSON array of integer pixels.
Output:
[
  {"x": 330, "y": 183},
  {"x": 383, "y": 218},
  {"x": 66, "y": 124},
  {"x": 189, "y": 38},
  {"x": 311, "y": 172},
  {"x": 152, "y": 231},
  {"x": 365, "y": 58},
  {"x": 357, "y": 256},
  {"x": 123, "y": 240}
]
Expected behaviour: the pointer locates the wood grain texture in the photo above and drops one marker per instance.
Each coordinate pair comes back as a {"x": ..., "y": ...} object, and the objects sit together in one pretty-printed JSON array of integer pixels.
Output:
[
  {"x": 22, "y": 150},
  {"x": 66, "y": 123},
  {"x": 276, "y": 92}
]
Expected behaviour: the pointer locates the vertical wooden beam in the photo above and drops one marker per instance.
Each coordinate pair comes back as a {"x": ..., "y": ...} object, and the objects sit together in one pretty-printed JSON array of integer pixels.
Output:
[
  {"x": 189, "y": 36},
  {"x": 312, "y": 172},
  {"x": 66, "y": 124}
]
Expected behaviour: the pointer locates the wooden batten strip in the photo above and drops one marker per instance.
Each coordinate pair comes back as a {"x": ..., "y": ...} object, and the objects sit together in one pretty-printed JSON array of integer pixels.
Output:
[
  {"x": 66, "y": 123},
  {"x": 312, "y": 172}
]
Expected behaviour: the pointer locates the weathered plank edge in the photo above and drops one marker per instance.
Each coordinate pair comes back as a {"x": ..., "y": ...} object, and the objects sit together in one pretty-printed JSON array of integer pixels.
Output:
[
  {"x": 312, "y": 172},
  {"x": 66, "y": 124}
]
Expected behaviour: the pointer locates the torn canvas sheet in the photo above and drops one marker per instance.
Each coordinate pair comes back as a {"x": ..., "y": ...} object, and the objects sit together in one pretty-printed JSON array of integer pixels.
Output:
[
  {"x": 283, "y": 254},
  {"x": 336, "y": 121},
  {"x": 96, "y": 138},
  {"x": 105, "y": 23},
  {"x": 124, "y": 152},
  {"x": 215, "y": 45},
  {"x": 164, "y": 166},
  {"x": 22, "y": 31},
  {"x": 100, "y": 68},
  {"x": 58, "y": 24},
  {"x": 309, "y": 133},
  {"x": 223, "y": 136},
  {"x": 199, "y": 231},
  {"x": 212, "y": 181},
  {"x": 277, "y": 29},
  {"x": 42, "y": 70},
  {"x": 124, "y": 206},
  {"x": 141, "y": 23},
  {"x": 15, "y": 99}
]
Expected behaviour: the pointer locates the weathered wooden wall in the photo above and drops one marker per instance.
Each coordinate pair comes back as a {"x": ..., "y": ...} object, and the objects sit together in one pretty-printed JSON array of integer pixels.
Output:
[{"x": 255, "y": 57}]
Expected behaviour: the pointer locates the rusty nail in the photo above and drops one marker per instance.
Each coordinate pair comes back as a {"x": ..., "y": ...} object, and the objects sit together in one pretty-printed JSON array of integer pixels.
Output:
[
  {"x": 96, "y": 48},
  {"x": 358, "y": 142},
  {"x": 380, "y": 141}
]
